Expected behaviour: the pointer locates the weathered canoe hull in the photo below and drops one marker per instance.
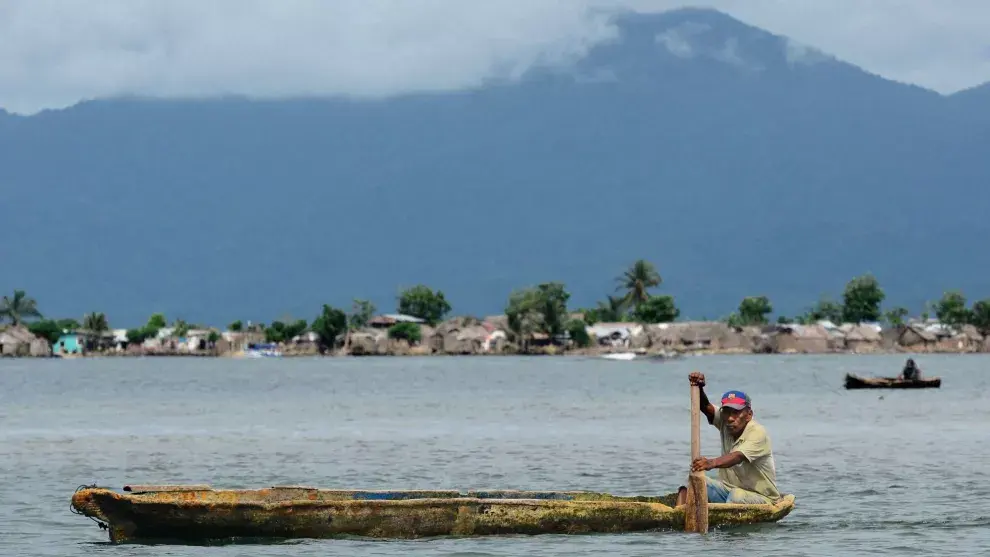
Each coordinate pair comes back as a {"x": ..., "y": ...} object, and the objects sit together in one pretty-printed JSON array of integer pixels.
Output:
[
  {"x": 856, "y": 382},
  {"x": 204, "y": 515}
]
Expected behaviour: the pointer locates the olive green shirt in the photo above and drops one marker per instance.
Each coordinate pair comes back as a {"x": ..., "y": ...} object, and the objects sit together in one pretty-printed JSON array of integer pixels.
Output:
[{"x": 756, "y": 472}]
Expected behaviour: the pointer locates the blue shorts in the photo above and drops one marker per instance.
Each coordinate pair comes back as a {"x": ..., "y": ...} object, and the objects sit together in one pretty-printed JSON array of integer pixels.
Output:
[{"x": 718, "y": 492}]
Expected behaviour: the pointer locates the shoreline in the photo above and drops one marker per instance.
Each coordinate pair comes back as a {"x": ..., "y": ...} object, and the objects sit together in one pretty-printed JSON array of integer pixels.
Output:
[
  {"x": 583, "y": 353},
  {"x": 536, "y": 322},
  {"x": 635, "y": 341}
]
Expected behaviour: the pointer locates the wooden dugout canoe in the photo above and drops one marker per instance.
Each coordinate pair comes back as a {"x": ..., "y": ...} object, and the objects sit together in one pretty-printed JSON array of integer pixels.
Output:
[
  {"x": 200, "y": 514},
  {"x": 857, "y": 382}
]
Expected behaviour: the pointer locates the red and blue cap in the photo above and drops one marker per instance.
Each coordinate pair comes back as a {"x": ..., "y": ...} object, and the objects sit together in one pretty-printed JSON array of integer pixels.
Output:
[{"x": 736, "y": 400}]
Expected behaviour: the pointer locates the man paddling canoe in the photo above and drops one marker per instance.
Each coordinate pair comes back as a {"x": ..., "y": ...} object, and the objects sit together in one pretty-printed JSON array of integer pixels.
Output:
[
  {"x": 746, "y": 472},
  {"x": 910, "y": 371}
]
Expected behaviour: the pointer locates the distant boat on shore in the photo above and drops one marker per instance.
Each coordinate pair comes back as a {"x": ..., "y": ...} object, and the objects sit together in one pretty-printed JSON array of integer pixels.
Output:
[
  {"x": 262, "y": 351},
  {"x": 621, "y": 356},
  {"x": 637, "y": 356}
]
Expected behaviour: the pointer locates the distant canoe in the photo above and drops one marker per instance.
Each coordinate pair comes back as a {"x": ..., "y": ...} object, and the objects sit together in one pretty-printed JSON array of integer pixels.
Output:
[
  {"x": 856, "y": 382},
  {"x": 620, "y": 356},
  {"x": 201, "y": 514},
  {"x": 639, "y": 356}
]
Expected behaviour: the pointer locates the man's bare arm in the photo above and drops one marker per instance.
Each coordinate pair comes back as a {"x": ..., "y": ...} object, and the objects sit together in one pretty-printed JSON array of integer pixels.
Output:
[
  {"x": 724, "y": 461},
  {"x": 727, "y": 460}
]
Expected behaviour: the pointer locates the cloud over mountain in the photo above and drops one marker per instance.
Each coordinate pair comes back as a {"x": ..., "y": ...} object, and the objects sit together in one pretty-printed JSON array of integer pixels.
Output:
[{"x": 54, "y": 54}]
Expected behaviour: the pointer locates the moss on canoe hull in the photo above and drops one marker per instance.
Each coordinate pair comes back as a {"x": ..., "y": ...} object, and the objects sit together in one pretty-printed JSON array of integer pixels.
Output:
[{"x": 294, "y": 512}]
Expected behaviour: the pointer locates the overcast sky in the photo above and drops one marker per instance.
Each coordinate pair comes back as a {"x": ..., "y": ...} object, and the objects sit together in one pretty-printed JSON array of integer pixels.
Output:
[{"x": 55, "y": 53}]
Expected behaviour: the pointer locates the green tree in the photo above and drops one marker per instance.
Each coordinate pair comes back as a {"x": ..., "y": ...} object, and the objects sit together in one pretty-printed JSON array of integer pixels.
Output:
[
  {"x": 361, "y": 313},
  {"x": 980, "y": 316},
  {"x": 656, "y": 309},
  {"x": 578, "y": 330},
  {"x": 784, "y": 320},
  {"x": 236, "y": 326},
  {"x": 825, "y": 308},
  {"x": 951, "y": 309},
  {"x": 409, "y": 332},
  {"x": 420, "y": 301},
  {"x": 213, "y": 338},
  {"x": 638, "y": 280},
  {"x": 280, "y": 331},
  {"x": 753, "y": 310},
  {"x": 589, "y": 315},
  {"x": 157, "y": 321},
  {"x": 136, "y": 336},
  {"x": 522, "y": 316},
  {"x": 51, "y": 330},
  {"x": 861, "y": 300},
  {"x": 328, "y": 326},
  {"x": 139, "y": 335},
  {"x": 539, "y": 309},
  {"x": 896, "y": 316},
  {"x": 19, "y": 308},
  {"x": 275, "y": 332},
  {"x": 612, "y": 310},
  {"x": 46, "y": 329},
  {"x": 150, "y": 330},
  {"x": 294, "y": 329},
  {"x": 552, "y": 306}
]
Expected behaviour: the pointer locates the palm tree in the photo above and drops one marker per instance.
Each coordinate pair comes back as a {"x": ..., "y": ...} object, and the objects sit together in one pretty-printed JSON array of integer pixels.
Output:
[
  {"x": 637, "y": 280},
  {"x": 18, "y": 308},
  {"x": 96, "y": 323},
  {"x": 180, "y": 328}
]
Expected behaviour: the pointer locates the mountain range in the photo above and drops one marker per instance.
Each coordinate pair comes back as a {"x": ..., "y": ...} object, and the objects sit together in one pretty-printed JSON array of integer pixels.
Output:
[{"x": 738, "y": 161}]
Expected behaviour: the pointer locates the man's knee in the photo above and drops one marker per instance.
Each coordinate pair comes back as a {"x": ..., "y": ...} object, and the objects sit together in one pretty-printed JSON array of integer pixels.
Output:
[{"x": 718, "y": 492}]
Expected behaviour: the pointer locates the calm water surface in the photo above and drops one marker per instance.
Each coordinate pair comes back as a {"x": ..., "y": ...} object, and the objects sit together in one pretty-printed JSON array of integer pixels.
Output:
[{"x": 888, "y": 473}]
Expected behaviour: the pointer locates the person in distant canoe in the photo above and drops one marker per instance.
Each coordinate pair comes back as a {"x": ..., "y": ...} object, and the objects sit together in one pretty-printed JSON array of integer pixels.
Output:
[
  {"x": 746, "y": 470},
  {"x": 910, "y": 371}
]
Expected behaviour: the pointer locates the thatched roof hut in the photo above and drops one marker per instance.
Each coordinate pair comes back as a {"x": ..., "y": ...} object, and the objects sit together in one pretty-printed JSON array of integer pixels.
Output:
[
  {"x": 369, "y": 342},
  {"x": 862, "y": 338},
  {"x": 913, "y": 337},
  {"x": 20, "y": 342},
  {"x": 965, "y": 338},
  {"x": 799, "y": 339},
  {"x": 699, "y": 335},
  {"x": 468, "y": 335}
]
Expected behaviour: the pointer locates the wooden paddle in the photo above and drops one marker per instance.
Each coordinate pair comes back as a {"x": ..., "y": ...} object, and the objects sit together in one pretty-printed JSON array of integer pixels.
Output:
[{"x": 696, "y": 506}]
